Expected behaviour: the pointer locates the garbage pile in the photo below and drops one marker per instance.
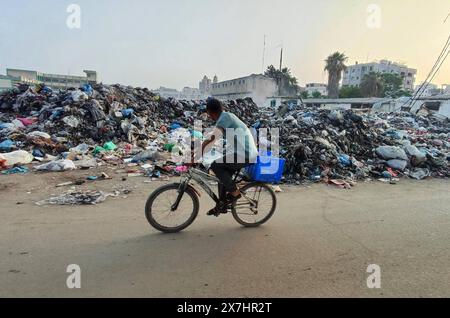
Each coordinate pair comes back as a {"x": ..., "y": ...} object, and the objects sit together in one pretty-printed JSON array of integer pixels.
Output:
[
  {"x": 95, "y": 115},
  {"x": 76, "y": 128},
  {"x": 138, "y": 131},
  {"x": 331, "y": 145}
]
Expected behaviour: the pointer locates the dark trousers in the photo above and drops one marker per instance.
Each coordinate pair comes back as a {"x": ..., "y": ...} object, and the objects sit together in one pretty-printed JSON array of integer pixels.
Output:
[{"x": 224, "y": 172}]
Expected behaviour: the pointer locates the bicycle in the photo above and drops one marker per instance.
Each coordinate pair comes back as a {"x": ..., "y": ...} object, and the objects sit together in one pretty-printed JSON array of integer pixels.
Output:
[{"x": 182, "y": 202}]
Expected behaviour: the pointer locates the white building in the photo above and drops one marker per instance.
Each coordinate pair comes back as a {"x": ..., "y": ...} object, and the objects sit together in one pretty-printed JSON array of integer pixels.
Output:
[
  {"x": 205, "y": 85},
  {"x": 56, "y": 81},
  {"x": 167, "y": 92},
  {"x": 311, "y": 88},
  {"x": 446, "y": 89},
  {"x": 189, "y": 93},
  {"x": 355, "y": 73},
  {"x": 256, "y": 86}
]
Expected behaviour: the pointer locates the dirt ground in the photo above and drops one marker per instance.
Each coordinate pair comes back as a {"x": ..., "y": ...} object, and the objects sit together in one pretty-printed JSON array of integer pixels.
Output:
[{"x": 319, "y": 243}]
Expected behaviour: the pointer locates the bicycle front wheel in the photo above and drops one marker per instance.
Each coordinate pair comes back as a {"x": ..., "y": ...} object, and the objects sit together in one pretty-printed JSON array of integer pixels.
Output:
[
  {"x": 257, "y": 205},
  {"x": 158, "y": 209}
]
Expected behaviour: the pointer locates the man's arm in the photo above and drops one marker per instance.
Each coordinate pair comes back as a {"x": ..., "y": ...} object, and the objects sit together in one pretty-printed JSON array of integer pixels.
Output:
[{"x": 216, "y": 132}]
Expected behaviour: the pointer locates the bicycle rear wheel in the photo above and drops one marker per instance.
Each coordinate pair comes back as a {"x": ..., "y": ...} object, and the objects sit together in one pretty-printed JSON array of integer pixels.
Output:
[
  {"x": 158, "y": 209},
  {"x": 257, "y": 205}
]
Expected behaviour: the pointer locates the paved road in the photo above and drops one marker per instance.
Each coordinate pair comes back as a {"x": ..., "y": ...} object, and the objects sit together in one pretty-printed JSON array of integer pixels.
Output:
[{"x": 319, "y": 244}]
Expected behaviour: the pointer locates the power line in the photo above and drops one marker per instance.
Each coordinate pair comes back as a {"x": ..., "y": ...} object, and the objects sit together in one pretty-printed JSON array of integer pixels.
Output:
[
  {"x": 446, "y": 46},
  {"x": 437, "y": 71},
  {"x": 434, "y": 70}
]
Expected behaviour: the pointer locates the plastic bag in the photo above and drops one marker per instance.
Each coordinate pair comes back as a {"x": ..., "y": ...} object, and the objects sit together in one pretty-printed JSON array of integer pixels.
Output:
[
  {"x": 58, "y": 165},
  {"x": 391, "y": 152},
  {"x": 16, "y": 157}
]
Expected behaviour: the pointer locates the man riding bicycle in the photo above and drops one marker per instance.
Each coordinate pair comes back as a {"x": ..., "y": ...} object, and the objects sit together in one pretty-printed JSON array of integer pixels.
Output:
[{"x": 240, "y": 149}]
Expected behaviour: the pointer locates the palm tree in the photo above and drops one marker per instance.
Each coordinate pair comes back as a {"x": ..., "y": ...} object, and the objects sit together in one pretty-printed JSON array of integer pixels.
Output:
[
  {"x": 335, "y": 65},
  {"x": 287, "y": 83},
  {"x": 372, "y": 85}
]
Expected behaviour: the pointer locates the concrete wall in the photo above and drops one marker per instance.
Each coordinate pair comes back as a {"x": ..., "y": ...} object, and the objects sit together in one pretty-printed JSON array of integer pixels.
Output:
[
  {"x": 24, "y": 74},
  {"x": 445, "y": 109},
  {"x": 5, "y": 84},
  {"x": 275, "y": 102}
]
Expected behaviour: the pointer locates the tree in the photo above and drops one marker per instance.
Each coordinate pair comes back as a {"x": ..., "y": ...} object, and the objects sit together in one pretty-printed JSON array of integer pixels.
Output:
[
  {"x": 316, "y": 94},
  {"x": 404, "y": 93},
  {"x": 383, "y": 85},
  {"x": 350, "y": 92},
  {"x": 393, "y": 85},
  {"x": 304, "y": 95},
  {"x": 287, "y": 83},
  {"x": 335, "y": 65},
  {"x": 372, "y": 85}
]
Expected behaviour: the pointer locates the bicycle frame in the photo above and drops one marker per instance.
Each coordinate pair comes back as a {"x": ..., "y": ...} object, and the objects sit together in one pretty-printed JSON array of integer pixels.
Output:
[{"x": 199, "y": 177}]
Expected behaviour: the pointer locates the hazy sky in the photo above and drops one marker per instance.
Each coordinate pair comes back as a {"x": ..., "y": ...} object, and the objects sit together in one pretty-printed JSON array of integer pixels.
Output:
[{"x": 173, "y": 43}]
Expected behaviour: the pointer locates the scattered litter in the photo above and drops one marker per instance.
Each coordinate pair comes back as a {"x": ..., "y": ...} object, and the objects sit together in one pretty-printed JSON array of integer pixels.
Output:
[
  {"x": 15, "y": 170},
  {"x": 58, "y": 165},
  {"x": 277, "y": 189},
  {"x": 75, "y": 197},
  {"x": 19, "y": 157}
]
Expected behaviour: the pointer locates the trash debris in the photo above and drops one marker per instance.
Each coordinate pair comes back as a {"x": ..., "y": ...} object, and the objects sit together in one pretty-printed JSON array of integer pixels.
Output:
[
  {"x": 69, "y": 183},
  {"x": 276, "y": 189},
  {"x": 6, "y": 145},
  {"x": 117, "y": 125},
  {"x": 419, "y": 173},
  {"x": 19, "y": 157},
  {"x": 58, "y": 165},
  {"x": 15, "y": 170},
  {"x": 85, "y": 163},
  {"x": 390, "y": 152},
  {"x": 76, "y": 197}
]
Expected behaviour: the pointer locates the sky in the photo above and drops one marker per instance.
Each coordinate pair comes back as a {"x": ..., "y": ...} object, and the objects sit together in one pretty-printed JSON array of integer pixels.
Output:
[{"x": 174, "y": 43}]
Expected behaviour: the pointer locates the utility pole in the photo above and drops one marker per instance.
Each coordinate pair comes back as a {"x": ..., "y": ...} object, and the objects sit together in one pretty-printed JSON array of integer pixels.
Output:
[
  {"x": 280, "y": 80},
  {"x": 281, "y": 59},
  {"x": 264, "y": 54}
]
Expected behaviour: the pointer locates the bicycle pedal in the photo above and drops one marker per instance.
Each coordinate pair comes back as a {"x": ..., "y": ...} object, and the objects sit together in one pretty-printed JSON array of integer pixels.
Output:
[{"x": 214, "y": 212}]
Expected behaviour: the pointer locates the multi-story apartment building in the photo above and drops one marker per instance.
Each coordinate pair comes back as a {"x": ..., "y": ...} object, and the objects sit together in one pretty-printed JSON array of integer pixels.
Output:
[{"x": 355, "y": 73}]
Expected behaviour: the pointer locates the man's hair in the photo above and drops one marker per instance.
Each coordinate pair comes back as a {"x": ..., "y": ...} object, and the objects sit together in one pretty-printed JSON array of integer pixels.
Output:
[{"x": 214, "y": 106}]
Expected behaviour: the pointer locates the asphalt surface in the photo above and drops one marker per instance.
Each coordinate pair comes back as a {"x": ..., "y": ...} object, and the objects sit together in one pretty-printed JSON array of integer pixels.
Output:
[{"x": 319, "y": 244}]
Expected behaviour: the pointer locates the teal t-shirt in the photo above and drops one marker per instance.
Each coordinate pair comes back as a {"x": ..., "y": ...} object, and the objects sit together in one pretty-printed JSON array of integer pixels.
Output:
[{"x": 235, "y": 129}]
